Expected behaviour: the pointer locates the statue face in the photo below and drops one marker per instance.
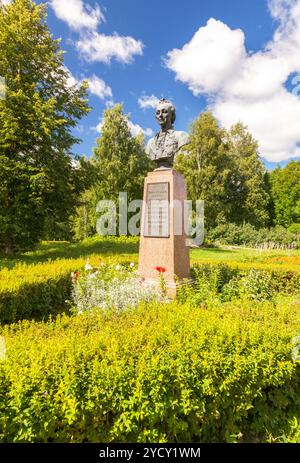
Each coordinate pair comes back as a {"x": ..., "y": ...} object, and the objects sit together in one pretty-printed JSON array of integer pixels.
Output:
[{"x": 163, "y": 116}]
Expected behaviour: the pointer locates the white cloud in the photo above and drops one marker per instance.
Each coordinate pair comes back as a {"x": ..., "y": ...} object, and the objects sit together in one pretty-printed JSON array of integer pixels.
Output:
[
  {"x": 92, "y": 46},
  {"x": 70, "y": 79},
  {"x": 77, "y": 14},
  {"x": 248, "y": 87},
  {"x": 98, "y": 87},
  {"x": 146, "y": 101},
  {"x": 135, "y": 129},
  {"x": 98, "y": 127},
  {"x": 217, "y": 65},
  {"x": 99, "y": 47}
]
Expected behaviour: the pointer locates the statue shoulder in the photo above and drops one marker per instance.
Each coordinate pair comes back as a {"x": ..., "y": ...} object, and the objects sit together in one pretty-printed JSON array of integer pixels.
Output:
[{"x": 150, "y": 145}]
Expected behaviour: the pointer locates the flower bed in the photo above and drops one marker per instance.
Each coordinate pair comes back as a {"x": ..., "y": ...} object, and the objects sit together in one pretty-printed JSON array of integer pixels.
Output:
[{"x": 110, "y": 287}]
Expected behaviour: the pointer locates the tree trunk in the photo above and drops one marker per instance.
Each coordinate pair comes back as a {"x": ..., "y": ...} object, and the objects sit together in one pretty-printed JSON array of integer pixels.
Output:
[{"x": 8, "y": 248}]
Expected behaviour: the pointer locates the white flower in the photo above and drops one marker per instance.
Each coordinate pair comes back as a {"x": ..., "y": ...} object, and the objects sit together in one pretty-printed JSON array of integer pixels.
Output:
[
  {"x": 115, "y": 293},
  {"x": 131, "y": 265},
  {"x": 88, "y": 265},
  {"x": 118, "y": 267}
]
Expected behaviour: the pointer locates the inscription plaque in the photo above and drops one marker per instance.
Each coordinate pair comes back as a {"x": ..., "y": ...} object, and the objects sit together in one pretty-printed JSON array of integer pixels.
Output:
[{"x": 157, "y": 211}]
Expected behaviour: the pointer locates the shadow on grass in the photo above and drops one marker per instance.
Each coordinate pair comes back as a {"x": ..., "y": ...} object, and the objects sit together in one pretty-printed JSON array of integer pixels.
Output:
[
  {"x": 215, "y": 251},
  {"x": 64, "y": 250}
]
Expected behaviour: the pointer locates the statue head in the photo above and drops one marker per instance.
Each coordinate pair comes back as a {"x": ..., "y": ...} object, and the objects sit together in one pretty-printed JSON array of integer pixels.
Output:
[{"x": 165, "y": 114}]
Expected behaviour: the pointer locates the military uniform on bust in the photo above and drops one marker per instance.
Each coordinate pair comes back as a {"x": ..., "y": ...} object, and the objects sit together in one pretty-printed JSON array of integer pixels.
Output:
[{"x": 163, "y": 147}]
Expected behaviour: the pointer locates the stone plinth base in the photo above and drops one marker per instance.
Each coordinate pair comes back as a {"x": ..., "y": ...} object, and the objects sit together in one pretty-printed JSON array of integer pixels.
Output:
[{"x": 163, "y": 239}]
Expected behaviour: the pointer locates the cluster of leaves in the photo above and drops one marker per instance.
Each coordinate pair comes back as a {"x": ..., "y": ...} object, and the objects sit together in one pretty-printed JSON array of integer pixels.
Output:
[
  {"x": 215, "y": 284},
  {"x": 120, "y": 164},
  {"x": 160, "y": 373},
  {"x": 39, "y": 184},
  {"x": 248, "y": 235},
  {"x": 224, "y": 169},
  {"x": 285, "y": 192}
]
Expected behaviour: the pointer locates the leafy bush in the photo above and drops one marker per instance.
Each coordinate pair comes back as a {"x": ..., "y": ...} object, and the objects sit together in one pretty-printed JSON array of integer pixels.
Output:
[
  {"x": 248, "y": 235},
  {"x": 257, "y": 285},
  {"x": 34, "y": 291},
  {"x": 37, "y": 291},
  {"x": 218, "y": 283},
  {"x": 163, "y": 372},
  {"x": 294, "y": 228}
]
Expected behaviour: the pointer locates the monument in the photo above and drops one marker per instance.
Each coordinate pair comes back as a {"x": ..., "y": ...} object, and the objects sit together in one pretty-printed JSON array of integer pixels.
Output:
[{"x": 163, "y": 242}]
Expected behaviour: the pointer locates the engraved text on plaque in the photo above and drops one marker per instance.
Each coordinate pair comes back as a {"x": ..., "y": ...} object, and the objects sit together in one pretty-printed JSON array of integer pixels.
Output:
[{"x": 157, "y": 211}]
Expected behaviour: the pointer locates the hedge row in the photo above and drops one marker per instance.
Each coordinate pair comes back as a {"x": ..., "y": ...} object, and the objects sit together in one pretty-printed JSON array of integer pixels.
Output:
[
  {"x": 162, "y": 373},
  {"x": 247, "y": 235},
  {"x": 36, "y": 291}
]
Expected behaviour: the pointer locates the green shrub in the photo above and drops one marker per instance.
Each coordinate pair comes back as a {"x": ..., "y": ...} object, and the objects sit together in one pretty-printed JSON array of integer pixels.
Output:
[
  {"x": 257, "y": 285},
  {"x": 294, "y": 228},
  {"x": 37, "y": 291},
  {"x": 248, "y": 235},
  {"x": 217, "y": 283},
  {"x": 164, "y": 372}
]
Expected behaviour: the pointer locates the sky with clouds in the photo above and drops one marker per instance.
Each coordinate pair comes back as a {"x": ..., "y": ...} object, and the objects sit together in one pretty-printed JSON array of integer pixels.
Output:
[{"x": 240, "y": 59}]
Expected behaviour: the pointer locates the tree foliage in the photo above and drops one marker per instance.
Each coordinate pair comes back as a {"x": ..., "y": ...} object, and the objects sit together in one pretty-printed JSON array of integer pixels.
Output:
[
  {"x": 36, "y": 121},
  {"x": 285, "y": 192},
  {"x": 223, "y": 168},
  {"x": 119, "y": 157},
  {"x": 248, "y": 187},
  {"x": 120, "y": 165}
]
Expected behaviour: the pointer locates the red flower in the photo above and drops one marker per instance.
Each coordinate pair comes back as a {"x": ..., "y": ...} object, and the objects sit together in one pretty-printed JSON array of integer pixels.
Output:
[
  {"x": 160, "y": 269},
  {"x": 76, "y": 275}
]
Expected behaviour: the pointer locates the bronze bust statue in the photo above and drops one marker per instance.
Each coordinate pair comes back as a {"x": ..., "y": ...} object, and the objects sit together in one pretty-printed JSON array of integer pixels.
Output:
[{"x": 163, "y": 147}]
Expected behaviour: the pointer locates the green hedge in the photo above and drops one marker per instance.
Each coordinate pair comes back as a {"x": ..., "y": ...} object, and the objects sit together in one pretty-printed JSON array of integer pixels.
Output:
[
  {"x": 248, "y": 235},
  {"x": 219, "y": 283},
  {"x": 164, "y": 372},
  {"x": 37, "y": 291}
]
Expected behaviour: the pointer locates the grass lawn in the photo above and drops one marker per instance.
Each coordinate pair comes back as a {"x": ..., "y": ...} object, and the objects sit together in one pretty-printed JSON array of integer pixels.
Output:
[
  {"x": 127, "y": 248},
  {"x": 281, "y": 259}
]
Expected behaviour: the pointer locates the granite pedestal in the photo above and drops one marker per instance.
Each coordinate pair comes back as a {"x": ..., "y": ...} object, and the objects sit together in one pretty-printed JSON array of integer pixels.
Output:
[{"x": 163, "y": 241}]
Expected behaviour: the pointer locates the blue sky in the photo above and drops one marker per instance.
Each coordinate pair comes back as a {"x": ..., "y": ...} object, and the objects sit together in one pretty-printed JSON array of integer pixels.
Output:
[{"x": 240, "y": 58}]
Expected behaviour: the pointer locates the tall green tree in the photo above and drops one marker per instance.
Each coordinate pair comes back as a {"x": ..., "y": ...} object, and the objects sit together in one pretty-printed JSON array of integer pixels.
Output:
[
  {"x": 285, "y": 192},
  {"x": 223, "y": 168},
  {"x": 119, "y": 157},
  {"x": 63, "y": 201},
  {"x": 248, "y": 190},
  {"x": 36, "y": 121},
  {"x": 205, "y": 164},
  {"x": 120, "y": 163}
]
